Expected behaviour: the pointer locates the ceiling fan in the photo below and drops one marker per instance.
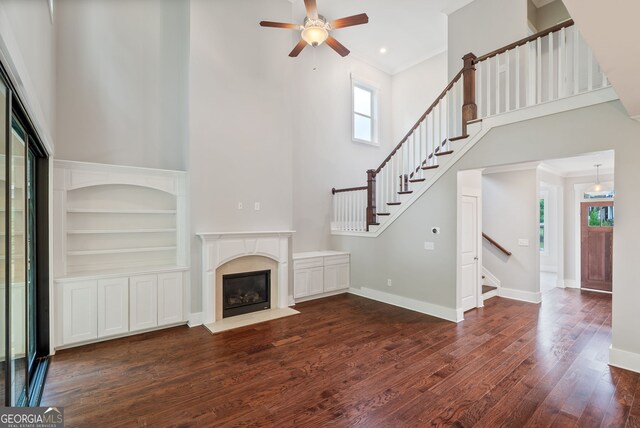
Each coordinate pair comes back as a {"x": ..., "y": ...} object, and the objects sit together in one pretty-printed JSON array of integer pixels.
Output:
[{"x": 316, "y": 28}]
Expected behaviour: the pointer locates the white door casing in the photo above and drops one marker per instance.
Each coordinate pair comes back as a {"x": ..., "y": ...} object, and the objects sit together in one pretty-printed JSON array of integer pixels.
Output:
[{"x": 469, "y": 252}]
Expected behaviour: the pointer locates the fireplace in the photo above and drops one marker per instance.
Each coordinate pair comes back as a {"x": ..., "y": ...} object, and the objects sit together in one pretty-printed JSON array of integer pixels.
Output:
[{"x": 245, "y": 292}]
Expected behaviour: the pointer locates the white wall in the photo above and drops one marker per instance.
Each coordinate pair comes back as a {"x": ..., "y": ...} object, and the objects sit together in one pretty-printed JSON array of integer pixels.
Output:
[
  {"x": 240, "y": 121},
  {"x": 122, "y": 81},
  {"x": 324, "y": 155},
  {"x": 484, "y": 26},
  {"x": 414, "y": 90},
  {"x": 510, "y": 213},
  {"x": 430, "y": 276},
  {"x": 27, "y": 45}
]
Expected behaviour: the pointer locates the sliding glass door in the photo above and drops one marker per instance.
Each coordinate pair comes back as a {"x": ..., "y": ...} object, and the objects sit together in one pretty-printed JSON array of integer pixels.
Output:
[
  {"x": 24, "y": 299},
  {"x": 5, "y": 114}
]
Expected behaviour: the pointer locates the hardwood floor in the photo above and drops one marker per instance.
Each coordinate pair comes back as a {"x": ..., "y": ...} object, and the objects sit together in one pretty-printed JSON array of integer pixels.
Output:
[{"x": 349, "y": 361}]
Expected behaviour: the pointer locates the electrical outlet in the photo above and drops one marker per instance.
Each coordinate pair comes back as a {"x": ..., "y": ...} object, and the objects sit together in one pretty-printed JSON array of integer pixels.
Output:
[
  {"x": 256, "y": 206},
  {"x": 523, "y": 242},
  {"x": 240, "y": 206},
  {"x": 429, "y": 245},
  {"x": 389, "y": 283}
]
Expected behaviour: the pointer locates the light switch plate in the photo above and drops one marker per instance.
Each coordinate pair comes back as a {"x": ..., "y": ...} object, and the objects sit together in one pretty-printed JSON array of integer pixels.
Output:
[
  {"x": 256, "y": 206},
  {"x": 429, "y": 245},
  {"x": 523, "y": 242}
]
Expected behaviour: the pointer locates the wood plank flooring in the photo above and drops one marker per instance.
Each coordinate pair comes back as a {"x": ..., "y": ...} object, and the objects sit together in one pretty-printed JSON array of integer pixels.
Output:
[{"x": 349, "y": 361}]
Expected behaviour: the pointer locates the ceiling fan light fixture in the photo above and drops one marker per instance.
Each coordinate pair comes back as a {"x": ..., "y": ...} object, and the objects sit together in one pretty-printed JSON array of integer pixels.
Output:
[{"x": 315, "y": 31}]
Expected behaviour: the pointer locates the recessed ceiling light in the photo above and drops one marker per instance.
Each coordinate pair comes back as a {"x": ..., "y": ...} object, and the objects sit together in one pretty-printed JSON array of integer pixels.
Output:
[{"x": 383, "y": 50}]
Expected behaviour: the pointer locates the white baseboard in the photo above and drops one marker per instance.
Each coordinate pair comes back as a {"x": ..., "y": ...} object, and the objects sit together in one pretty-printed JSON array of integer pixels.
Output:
[
  {"x": 560, "y": 283},
  {"x": 320, "y": 296},
  {"x": 195, "y": 319},
  {"x": 624, "y": 359},
  {"x": 525, "y": 296},
  {"x": 292, "y": 301},
  {"x": 489, "y": 278},
  {"x": 571, "y": 283},
  {"x": 437, "y": 311}
]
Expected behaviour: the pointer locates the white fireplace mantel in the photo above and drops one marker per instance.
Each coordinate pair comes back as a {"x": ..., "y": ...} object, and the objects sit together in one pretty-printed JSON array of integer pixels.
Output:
[{"x": 219, "y": 248}]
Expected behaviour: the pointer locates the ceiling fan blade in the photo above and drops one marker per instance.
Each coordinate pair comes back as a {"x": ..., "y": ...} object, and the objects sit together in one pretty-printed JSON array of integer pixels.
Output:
[
  {"x": 279, "y": 25},
  {"x": 298, "y": 48},
  {"x": 350, "y": 21},
  {"x": 337, "y": 46},
  {"x": 312, "y": 8}
]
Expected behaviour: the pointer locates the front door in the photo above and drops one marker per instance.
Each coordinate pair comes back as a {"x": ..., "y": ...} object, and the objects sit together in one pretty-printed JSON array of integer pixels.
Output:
[
  {"x": 597, "y": 245},
  {"x": 469, "y": 263}
]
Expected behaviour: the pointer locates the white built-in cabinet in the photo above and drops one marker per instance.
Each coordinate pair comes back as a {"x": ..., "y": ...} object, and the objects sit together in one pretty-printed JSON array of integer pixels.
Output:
[
  {"x": 319, "y": 274},
  {"x": 121, "y": 251}
]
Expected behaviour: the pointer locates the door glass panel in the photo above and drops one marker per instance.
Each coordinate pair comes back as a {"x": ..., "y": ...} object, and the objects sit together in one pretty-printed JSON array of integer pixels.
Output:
[
  {"x": 31, "y": 264},
  {"x": 600, "y": 216},
  {"x": 3, "y": 288},
  {"x": 17, "y": 290}
]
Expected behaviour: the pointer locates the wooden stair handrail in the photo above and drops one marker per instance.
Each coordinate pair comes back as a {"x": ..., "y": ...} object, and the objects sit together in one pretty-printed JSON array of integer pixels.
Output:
[
  {"x": 347, "y": 189},
  {"x": 495, "y": 244},
  {"x": 426, "y": 113},
  {"x": 524, "y": 41}
]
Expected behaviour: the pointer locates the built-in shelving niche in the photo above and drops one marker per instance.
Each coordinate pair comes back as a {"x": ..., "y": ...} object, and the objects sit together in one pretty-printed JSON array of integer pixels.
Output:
[
  {"x": 118, "y": 219},
  {"x": 120, "y": 226}
]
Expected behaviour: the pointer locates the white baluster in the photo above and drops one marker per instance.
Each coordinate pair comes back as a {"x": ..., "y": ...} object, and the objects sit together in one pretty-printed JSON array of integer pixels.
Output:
[
  {"x": 517, "y": 87},
  {"x": 539, "y": 71},
  {"x": 576, "y": 61},
  {"x": 530, "y": 74},
  {"x": 562, "y": 62},
  {"x": 589, "y": 69},
  {"x": 507, "y": 82},
  {"x": 550, "y": 79},
  {"x": 489, "y": 92},
  {"x": 498, "y": 99}
]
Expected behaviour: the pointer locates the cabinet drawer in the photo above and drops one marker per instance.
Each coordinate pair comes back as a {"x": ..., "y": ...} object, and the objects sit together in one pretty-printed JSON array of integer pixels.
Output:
[
  {"x": 307, "y": 263},
  {"x": 336, "y": 260}
]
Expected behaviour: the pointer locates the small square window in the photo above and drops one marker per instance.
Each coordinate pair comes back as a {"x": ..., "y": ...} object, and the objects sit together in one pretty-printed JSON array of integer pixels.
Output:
[{"x": 364, "y": 113}]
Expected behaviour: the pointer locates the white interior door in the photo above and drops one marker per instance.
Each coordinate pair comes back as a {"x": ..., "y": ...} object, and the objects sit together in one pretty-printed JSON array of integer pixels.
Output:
[{"x": 469, "y": 248}]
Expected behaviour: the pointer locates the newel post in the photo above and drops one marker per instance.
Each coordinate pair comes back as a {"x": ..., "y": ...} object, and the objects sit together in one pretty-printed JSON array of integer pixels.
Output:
[
  {"x": 469, "y": 108},
  {"x": 371, "y": 198}
]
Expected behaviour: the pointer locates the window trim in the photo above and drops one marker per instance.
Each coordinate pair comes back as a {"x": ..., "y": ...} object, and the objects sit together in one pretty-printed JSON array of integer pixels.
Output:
[{"x": 373, "y": 89}]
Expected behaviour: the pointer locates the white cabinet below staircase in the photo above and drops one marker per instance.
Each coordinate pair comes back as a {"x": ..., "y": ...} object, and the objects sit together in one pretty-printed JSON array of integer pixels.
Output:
[{"x": 320, "y": 274}]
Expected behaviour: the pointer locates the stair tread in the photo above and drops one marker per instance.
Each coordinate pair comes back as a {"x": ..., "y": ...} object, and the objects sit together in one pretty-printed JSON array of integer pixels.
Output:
[
  {"x": 406, "y": 192},
  {"x": 460, "y": 137},
  {"x": 488, "y": 289},
  {"x": 430, "y": 167},
  {"x": 383, "y": 213},
  {"x": 417, "y": 180},
  {"x": 448, "y": 152},
  {"x": 393, "y": 203}
]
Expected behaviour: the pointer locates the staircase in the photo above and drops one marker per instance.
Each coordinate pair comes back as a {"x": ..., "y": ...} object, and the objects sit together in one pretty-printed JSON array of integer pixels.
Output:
[{"x": 541, "y": 74}]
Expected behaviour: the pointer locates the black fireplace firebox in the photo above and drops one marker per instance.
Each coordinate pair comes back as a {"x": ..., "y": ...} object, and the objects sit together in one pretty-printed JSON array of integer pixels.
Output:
[{"x": 245, "y": 292}]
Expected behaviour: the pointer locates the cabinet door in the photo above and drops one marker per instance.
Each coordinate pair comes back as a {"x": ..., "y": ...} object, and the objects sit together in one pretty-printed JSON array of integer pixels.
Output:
[
  {"x": 316, "y": 281},
  {"x": 143, "y": 302},
  {"x": 79, "y": 311},
  {"x": 336, "y": 277},
  {"x": 301, "y": 278},
  {"x": 169, "y": 298},
  {"x": 113, "y": 306}
]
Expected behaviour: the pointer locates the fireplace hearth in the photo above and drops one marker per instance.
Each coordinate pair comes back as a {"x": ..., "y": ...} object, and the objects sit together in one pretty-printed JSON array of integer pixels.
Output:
[{"x": 245, "y": 292}]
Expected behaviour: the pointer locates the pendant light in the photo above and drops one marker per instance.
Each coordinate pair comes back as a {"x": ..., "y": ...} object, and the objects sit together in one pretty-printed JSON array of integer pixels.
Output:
[{"x": 598, "y": 189}]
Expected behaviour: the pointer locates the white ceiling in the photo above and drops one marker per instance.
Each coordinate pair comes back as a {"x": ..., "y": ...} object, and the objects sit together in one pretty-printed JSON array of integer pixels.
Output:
[
  {"x": 577, "y": 166},
  {"x": 410, "y": 30},
  {"x": 582, "y": 165}
]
